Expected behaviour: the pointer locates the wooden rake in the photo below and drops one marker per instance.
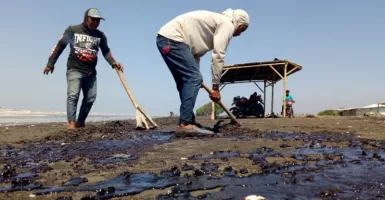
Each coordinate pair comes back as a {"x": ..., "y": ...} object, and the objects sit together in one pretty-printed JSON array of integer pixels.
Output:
[
  {"x": 233, "y": 119},
  {"x": 141, "y": 116}
]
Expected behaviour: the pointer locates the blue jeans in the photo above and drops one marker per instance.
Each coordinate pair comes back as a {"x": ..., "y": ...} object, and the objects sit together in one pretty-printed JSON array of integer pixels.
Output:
[
  {"x": 76, "y": 81},
  {"x": 186, "y": 73}
]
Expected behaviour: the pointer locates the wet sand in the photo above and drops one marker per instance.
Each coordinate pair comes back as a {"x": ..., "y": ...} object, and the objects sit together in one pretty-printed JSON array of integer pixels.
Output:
[{"x": 275, "y": 158}]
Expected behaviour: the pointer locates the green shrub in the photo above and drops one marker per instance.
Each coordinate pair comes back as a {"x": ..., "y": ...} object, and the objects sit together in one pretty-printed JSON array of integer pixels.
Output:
[
  {"x": 328, "y": 113},
  {"x": 205, "y": 110}
]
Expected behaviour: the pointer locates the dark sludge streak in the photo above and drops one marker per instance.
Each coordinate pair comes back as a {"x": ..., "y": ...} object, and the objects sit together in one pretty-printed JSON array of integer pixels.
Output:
[
  {"x": 22, "y": 182},
  {"x": 353, "y": 181},
  {"x": 64, "y": 198},
  {"x": 7, "y": 173},
  {"x": 209, "y": 167},
  {"x": 116, "y": 159},
  {"x": 97, "y": 151},
  {"x": 339, "y": 178},
  {"x": 76, "y": 181},
  {"x": 214, "y": 155},
  {"x": 187, "y": 167},
  {"x": 123, "y": 185},
  {"x": 35, "y": 167}
]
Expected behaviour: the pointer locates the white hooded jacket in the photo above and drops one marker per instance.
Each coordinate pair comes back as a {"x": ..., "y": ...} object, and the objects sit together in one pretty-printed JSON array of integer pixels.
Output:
[{"x": 204, "y": 31}]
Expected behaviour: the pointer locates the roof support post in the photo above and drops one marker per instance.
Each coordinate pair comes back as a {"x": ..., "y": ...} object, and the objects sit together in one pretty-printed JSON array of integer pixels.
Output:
[
  {"x": 258, "y": 86},
  {"x": 284, "y": 90},
  {"x": 221, "y": 88},
  {"x": 268, "y": 83},
  {"x": 292, "y": 70},
  {"x": 224, "y": 72},
  {"x": 264, "y": 98},
  {"x": 272, "y": 94}
]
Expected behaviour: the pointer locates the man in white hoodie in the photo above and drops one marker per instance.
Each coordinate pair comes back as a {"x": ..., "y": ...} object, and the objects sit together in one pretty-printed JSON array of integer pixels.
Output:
[{"x": 185, "y": 39}]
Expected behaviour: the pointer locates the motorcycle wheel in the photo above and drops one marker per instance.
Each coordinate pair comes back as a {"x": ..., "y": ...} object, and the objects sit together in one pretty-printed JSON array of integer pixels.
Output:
[
  {"x": 235, "y": 112},
  {"x": 289, "y": 112},
  {"x": 260, "y": 113}
]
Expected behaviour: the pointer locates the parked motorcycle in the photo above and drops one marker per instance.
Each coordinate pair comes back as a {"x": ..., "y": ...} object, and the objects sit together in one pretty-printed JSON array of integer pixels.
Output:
[
  {"x": 244, "y": 107},
  {"x": 289, "y": 108}
]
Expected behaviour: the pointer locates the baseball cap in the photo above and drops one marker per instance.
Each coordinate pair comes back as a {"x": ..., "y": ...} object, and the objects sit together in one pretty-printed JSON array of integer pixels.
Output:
[{"x": 93, "y": 12}]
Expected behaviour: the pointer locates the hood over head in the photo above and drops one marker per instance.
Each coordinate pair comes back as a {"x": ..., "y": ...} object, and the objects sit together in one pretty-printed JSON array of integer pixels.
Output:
[
  {"x": 238, "y": 16},
  {"x": 92, "y": 12}
]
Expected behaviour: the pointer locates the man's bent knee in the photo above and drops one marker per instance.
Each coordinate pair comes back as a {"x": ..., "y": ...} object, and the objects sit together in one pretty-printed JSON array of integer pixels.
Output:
[
  {"x": 73, "y": 97},
  {"x": 91, "y": 99},
  {"x": 197, "y": 79}
]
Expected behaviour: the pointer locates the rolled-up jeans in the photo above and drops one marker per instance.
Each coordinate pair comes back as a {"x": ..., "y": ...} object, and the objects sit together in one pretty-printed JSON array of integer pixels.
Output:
[
  {"x": 76, "y": 81},
  {"x": 185, "y": 70}
]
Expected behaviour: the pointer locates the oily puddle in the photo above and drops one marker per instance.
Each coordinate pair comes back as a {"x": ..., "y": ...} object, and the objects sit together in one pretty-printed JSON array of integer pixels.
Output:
[{"x": 102, "y": 151}]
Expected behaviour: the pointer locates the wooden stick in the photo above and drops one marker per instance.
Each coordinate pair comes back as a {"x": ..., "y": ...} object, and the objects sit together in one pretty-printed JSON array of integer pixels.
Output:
[
  {"x": 148, "y": 117},
  {"x": 233, "y": 119},
  {"x": 131, "y": 96},
  {"x": 123, "y": 80},
  {"x": 284, "y": 90},
  {"x": 292, "y": 70}
]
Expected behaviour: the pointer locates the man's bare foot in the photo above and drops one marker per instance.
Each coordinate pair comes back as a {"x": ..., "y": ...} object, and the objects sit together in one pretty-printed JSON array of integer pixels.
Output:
[
  {"x": 191, "y": 129},
  {"x": 72, "y": 125},
  {"x": 188, "y": 126},
  {"x": 80, "y": 125}
]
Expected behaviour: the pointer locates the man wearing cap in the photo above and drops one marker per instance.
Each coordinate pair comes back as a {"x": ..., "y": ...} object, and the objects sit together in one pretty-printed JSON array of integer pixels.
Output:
[
  {"x": 288, "y": 97},
  {"x": 85, "y": 40},
  {"x": 184, "y": 40}
]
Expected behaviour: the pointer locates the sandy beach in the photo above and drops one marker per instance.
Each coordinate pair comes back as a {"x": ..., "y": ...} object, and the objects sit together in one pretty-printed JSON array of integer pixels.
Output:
[{"x": 301, "y": 150}]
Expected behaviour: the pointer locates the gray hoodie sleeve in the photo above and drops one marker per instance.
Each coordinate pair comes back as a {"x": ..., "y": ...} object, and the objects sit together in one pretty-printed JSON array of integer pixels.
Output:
[
  {"x": 106, "y": 51},
  {"x": 222, "y": 37},
  {"x": 65, "y": 38}
]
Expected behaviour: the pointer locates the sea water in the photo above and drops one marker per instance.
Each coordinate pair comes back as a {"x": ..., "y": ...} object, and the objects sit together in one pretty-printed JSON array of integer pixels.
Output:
[{"x": 13, "y": 116}]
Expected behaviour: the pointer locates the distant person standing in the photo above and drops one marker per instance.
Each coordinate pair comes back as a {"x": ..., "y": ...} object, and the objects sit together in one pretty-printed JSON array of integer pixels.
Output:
[
  {"x": 85, "y": 40},
  {"x": 184, "y": 40}
]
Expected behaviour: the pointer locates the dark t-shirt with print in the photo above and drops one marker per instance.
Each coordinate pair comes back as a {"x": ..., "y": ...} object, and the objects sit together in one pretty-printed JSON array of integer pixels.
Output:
[{"x": 84, "y": 48}]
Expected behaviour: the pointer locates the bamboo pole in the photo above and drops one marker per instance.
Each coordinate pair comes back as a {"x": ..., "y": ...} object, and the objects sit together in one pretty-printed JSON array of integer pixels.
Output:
[
  {"x": 272, "y": 94},
  {"x": 268, "y": 83},
  {"x": 260, "y": 89},
  {"x": 284, "y": 90},
  {"x": 251, "y": 65},
  {"x": 141, "y": 116},
  {"x": 264, "y": 97},
  {"x": 223, "y": 86},
  {"x": 292, "y": 70},
  {"x": 225, "y": 72}
]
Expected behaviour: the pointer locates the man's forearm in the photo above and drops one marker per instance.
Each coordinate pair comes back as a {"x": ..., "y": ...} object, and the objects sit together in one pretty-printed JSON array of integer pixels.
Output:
[
  {"x": 65, "y": 38},
  {"x": 56, "y": 52},
  {"x": 216, "y": 71},
  {"x": 110, "y": 59},
  {"x": 215, "y": 87}
]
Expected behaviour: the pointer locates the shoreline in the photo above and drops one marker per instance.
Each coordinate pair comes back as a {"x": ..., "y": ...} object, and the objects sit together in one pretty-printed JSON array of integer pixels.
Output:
[{"x": 8, "y": 121}]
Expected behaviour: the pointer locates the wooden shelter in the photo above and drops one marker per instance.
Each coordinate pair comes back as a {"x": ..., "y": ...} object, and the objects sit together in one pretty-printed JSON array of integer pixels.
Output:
[{"x": 267, "y": 72}]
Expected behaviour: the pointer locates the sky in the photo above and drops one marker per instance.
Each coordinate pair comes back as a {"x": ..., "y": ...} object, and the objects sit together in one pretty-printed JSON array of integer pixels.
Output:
[{"x": 340, "y": 45}]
